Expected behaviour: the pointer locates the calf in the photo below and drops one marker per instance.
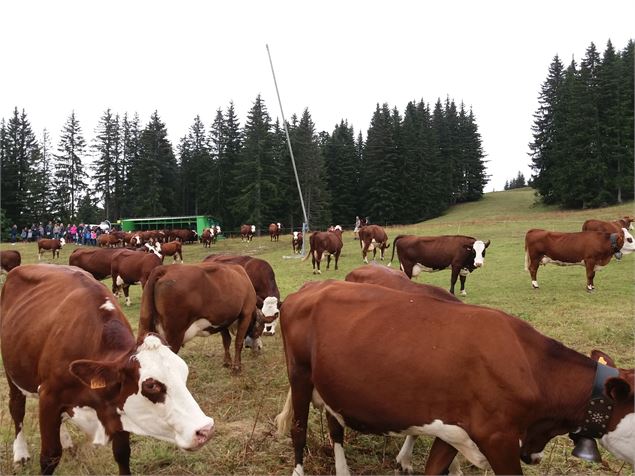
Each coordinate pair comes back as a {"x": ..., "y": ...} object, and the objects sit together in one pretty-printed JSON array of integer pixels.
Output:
[
  {"x": 81, "y": 360},
  {"x": 274, "y": 231},
  {"x": 9, "y": 259},
  {"x": 591, "y": 249},
  {"x": 247, "y": 232},
  {"x": 609, "y": 226},
  {"x": 54, "y": 245},
  {"x": 296, "y": 242},
  {"x": 463, "y": 254},
  {"x": 182, "y": 302},
  {"x": 131, "y": 267},
  {"x": 469, "y": 353},
  {"x": 173, "y": 248},
  {"x": 370, "y": 237},
  {"x": 325, "y": 242}
]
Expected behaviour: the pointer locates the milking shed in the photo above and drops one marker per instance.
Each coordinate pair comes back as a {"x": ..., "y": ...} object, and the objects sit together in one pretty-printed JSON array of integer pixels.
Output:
[{"x": 194, "y": 222}]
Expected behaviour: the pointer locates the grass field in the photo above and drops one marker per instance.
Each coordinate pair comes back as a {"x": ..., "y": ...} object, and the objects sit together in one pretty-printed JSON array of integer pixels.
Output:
[{"x": 244, "y": 406}]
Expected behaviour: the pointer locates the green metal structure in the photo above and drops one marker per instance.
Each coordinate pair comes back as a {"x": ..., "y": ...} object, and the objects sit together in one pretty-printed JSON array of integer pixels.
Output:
[{"x": 194, "y": 222}]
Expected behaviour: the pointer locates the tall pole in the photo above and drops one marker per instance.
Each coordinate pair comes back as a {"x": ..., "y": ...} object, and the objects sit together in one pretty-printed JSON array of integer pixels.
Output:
[{"x": 295, "y": 171}]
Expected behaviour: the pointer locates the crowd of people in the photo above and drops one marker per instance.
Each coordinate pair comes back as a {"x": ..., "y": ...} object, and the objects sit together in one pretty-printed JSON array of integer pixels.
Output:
[{"x": 82, "y": 234}]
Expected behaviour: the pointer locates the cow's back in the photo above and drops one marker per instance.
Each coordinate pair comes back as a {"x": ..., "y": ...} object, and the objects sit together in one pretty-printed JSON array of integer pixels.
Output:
[
  {"x": 97, "y": 261},
  {"x": 601, "y": 225},
  {"x": 432, "y": 251},
  {"x": 570, "y": 247}
]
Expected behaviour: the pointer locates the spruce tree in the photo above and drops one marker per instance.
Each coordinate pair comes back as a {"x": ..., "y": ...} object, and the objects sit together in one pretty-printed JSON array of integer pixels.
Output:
[
  {"x": 340, "y": 158},
  {"x": 195, "y": 169},
  {"x": 131, "y": 154},
  {"x": 107, "y": 165},
  {"x": 625, "y": 160},
  {"x": 228, "y": 162}
]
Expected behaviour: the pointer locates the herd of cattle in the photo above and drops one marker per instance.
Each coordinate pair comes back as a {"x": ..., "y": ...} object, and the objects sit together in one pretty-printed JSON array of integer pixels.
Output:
[{"x": 480, "y": 381}]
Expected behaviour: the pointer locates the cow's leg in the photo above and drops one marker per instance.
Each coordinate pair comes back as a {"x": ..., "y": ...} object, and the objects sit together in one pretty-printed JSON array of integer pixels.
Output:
[
  {"x": 375, "y": 253},
  {"x": 337, "y": 436},
  {"x": 318, "y": 260},
  {"x": 50, "y": 421},
  {"x": 121, "y": 451},
  {"x": 116, "y": 287},
  {"x": 404, "y": 458},
  {"x": 328, "y": 261},
  {"x": 126, "y": 292},
  {"x": 590, "y": 274},
  {"x": 406, "y": 267},
  {"x": 17, "y": 402},
  {"x": 241, "y": 332},
  {"x": 441, "y": 459},
  {"x": 39, "y": 254},
  {"x": 364, "y": 246},
  {"x": 454, "y": 277},
  {"x": 462, "y": 277},
  {"x": 301, "y": 393},
  {"x": 501, "y": 451},
  {"x": 533, "y": 262},
  {"x": 227, "y": 340},
  {"x": 337, "y": 257}
]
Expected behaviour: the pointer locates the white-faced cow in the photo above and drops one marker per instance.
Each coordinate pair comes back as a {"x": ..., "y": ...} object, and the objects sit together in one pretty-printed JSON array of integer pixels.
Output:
[
  {"x": 9, "y": 259},
  {"x": 296, "y": 242},
  {"x": 173, "y": 249},
  {"x": 274, "y": 231},
  {"x": 81, "y": 360},
  {"x": 182, "y": 302},
  {"x": 609, "y": 226},
  {"x": 216, "y": 231},
  {"x": 53, "y": 245},
  {"x": 591, "y": 249},
  {"x": 247, "y": 232},
  {"x": 325, "y": 242},
  {"x": 263, "y": 280},
  {"x": 207, "y": 237},
  {"x": 482, "y": 382},
  {"x": 131, "y": 267},
  {"x": 463, "y": 254},
  {"x": 370, "y": 238}
]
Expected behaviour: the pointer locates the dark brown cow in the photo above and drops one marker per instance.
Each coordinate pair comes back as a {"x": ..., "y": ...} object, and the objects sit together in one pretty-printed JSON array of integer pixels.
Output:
[
  {"x": 183, "y": 235},
  {"x": 173, "y": 248},
  {"x": 477, "y": 379},
  {"x": 325, "y": 242},
  {"x": 591, "y": 249},
  {"x": 609, "y": 226},
  {"x": 81, "y": 360},
  {"x": 97, "y": 261},
  {"x": 9, "y": 259},
  {"x": 108, "y": 240},
  {"x": 182, "y": 302},
  {"x": 296, "y": 242},
  {"x": 463, "y": 254},
  {"x": 131, "y": 267},
  {"x": 247, "y": 232},
  {"x": 274, "y": 231},
  {"x": 53, "y": 245},
  {"x": 371, "y": 237},
  {"x": 207, "y": 238},
  {"x": 263, "y": 280}
]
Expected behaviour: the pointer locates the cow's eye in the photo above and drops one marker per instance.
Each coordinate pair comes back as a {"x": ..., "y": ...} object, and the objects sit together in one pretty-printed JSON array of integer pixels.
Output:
[
  {"x": 152, "y": 388},
  {"x": 630, "y": 240}
]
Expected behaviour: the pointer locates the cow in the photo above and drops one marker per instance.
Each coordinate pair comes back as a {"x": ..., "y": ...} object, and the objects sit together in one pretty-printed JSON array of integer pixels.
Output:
[
  {"x": 184, "y": 235},
  {"x": 296, "y": 242},
  {"x": 172, "y": 248},
  {"x": 131, "y": 267},
  {"x": 274, "y": 231},
  {"x": 9, "y": 259},
  {"x": 453, "y": 359},
  {"x": 591, "y": 249},
  {"x": 325, "y": 242},
  {"x": 463, "y": 254},
  {"x": 609, "y": 226},
  {"x": 108, "y": 240},
  {"x": 81, "y": 360},
  {"x": 97, "y": 261},
  {"x": 54, "y": 245},
  {"x": 182, "y": 302},
  {"x": 263, "y": 280},
  {"x": 371, "y": 237},
  {"x": 207, "y": 237},
  {"x": 216, "y": 231},
  {"x": 247, "y": 232}
]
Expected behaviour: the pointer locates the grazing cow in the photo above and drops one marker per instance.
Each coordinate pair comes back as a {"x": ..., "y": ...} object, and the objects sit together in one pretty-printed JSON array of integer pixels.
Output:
[
  {"x": 216, "y": 231},
  {"x": 371, "y": 237},
  {"x": 482, "y": 382},
  {"x": 463, "y": 254},
  {"x": 274, "y": 231},
  {"x": 81, "y": 360},
  {"x": 131, "y": 267},
  {"x": 609, "y": 226},
  {"x": 591, "y": 249},
  {"x": 296, "y": 242},
  {"x": 172, "y": 248},
  {"x": 247, "y": 232},
  {"x": 182, "y": 302},
  {"x": 9, "y": 259},
  {"x": 108, "y": 240},
  {"x": 207, "y": 237},
  {"x": 325, "y": 242},
  {"x": 54, "y": 245},
  {"x": 263, "y": 280}
]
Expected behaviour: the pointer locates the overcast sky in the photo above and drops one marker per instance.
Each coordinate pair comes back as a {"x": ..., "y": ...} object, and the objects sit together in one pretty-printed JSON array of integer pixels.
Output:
[{"x": 337, "y": 58}]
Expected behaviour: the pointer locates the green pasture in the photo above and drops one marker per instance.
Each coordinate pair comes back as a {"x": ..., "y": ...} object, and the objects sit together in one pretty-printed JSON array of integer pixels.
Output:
[{"x": 244, "y": 406}]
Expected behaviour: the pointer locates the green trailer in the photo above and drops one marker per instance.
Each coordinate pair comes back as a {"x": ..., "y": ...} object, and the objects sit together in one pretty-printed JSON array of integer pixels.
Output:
[{"x": 194, "y": 222}]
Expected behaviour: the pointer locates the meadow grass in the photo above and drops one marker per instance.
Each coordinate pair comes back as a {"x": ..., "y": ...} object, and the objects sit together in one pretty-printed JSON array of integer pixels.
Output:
[{"x": 244, "y": 406}]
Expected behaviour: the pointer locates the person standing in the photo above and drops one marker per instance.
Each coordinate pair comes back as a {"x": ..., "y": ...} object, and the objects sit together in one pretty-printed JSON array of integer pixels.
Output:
[{"x": 14, "y": 233}]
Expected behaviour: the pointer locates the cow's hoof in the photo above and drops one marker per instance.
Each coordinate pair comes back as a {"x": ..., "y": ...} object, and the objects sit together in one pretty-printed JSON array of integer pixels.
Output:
[
  {"x": 534, "y": 284},
  {"x": 463, "y": 293},
  {"x": 365, "y": 261},
  {"x": 227, "y": 364},
  {"x": 590, "y": 289},
  {"x": 319, "y": 272},
  {"x": 236, "y": 369}
]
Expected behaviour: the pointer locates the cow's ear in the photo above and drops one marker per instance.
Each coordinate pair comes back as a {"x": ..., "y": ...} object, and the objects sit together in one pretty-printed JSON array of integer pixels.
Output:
[
  {"x": 602, "y": 358},
  {"x": 95, "y": 374},
  {"x": 486, "y": 243},
  {"x": 618, "y": 389}
]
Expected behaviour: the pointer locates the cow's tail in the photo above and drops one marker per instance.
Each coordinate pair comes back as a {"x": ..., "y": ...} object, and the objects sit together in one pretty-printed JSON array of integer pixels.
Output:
[
  {"x": 148, "y": 312},
  {"x": 306, "y": 256},
  {"x": 526, "y": 258},
  {"x": 394, "y": 246},
  {"x": 284, "y": 419}
]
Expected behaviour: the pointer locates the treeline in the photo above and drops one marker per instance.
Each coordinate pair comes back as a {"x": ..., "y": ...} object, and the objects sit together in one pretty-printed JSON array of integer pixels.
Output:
[
  {"x": 582, "y": 152},
  {"x": 409, "y": 168},
  {"x": 518, "y": 182}
]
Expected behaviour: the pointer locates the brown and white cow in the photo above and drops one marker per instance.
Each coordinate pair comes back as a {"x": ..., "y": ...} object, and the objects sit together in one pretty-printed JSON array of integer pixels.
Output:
[
  {"x": 274, "y": 231},
  {"x": 109, "y": 240},
  {"x": 325, "y": 242},
  {"x": 296, "y": 242},
  {"x": 207, "y": 237},
  {"x": 263, "y": 280},
  {"x": 371, "y": 237},
  {"x": 609, "y": 226},
  {"x": 182, "y": 302},
  {"x": 463, "y": 254},
  {"x": 53, "y": 245},
  {"x": 591, "y": 249},
  {"x": 130, "y": 267},
  {"x": 97, "y": 261},
  {"x": 81, "y": 360},
  {"x": 247, "y": 232},
  {"x": 441, "y": 376},
  {"x": 9, "y": 259},
  {"x": 173, "y": 249}
]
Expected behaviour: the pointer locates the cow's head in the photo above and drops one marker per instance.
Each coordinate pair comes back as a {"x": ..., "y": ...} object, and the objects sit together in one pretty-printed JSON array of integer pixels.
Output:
[
  {"x": 156, "y": 249},
  {"x": 253, "y": 228},
  {"x": 270, "y": 313},
  {"x": 295, "y": 235},
  {"x": 477, "y": 251},
  {"x": 629, "y": 243},
  {"x": 150, "y": 392},
  {"x": 62, "y": 242},
  {"x": 135, "y": 240}
]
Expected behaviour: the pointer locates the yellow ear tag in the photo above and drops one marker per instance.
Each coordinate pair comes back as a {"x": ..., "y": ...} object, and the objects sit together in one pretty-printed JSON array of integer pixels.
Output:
[
  {"x": 97, "y": 382},
  {"x": 602, "y": 361}
]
